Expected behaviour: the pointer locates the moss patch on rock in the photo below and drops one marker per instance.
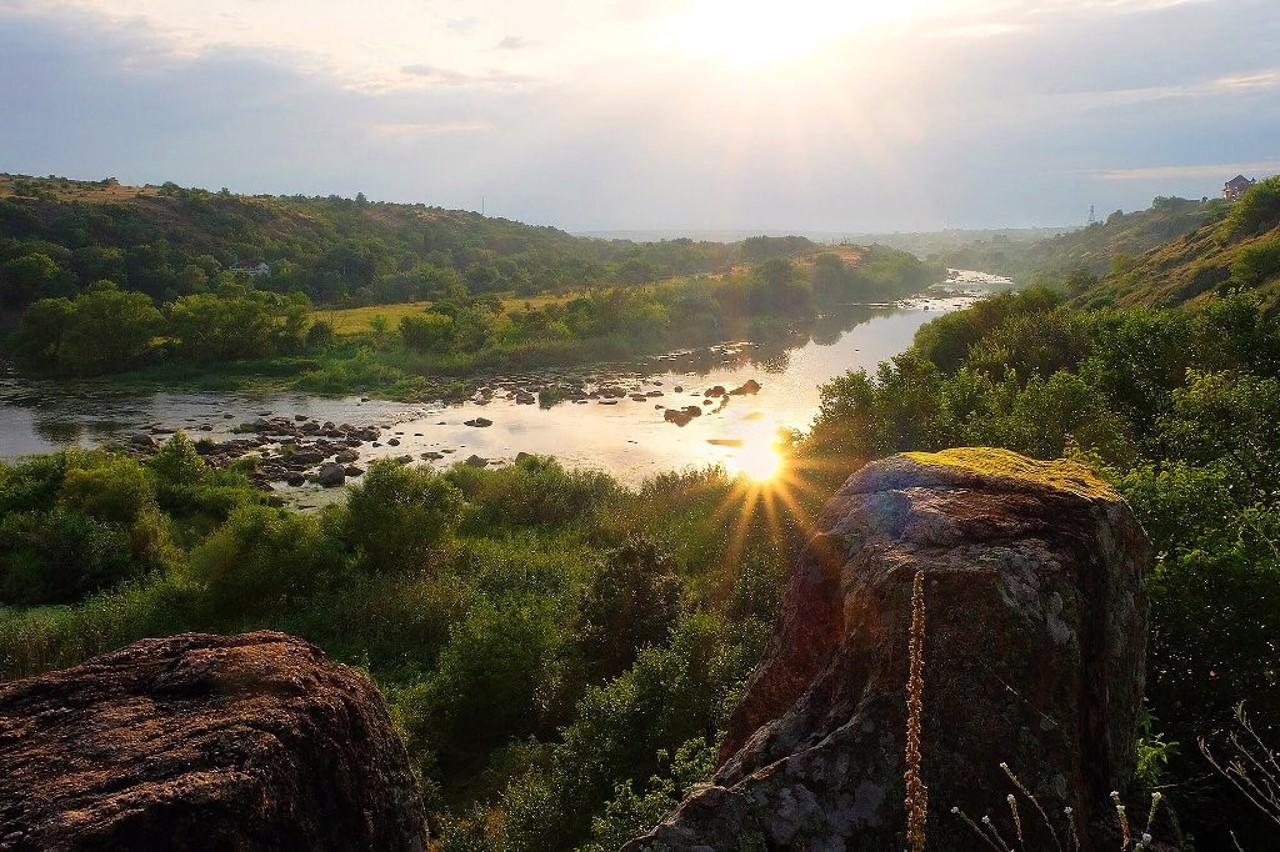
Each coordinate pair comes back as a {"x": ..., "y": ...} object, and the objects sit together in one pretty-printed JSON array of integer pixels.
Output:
[{"x": 1061, "y": 474}]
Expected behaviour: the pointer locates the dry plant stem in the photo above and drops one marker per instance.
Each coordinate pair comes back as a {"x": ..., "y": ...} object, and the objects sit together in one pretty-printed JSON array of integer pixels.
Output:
[
  {"x": 1125, "y": 838},
  {"x": 1071, "y": 830},
  {"x": 973, "y": 826},
  {"x": 1017, "y": 818},
  {"x": 1156, "y": 798},
  {"x": 991, "y": 827},
  {"x": 917, "y": 801},
  {"x": 1263, "y": 787},
  {"x": 1035, "y": 803}
]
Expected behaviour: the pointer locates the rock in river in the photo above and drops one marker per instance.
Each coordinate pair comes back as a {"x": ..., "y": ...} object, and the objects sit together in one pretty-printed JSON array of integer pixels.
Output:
[{"x": 331, "y": 475}]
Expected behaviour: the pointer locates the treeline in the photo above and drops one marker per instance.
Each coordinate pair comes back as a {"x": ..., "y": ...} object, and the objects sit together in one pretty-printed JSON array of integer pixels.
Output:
[
  {"x": 104, "y": 329},
  {"x": 775, "y": 300},
  {"x": 1180, "y": 409},
  {"x": 695, "y": 310},
  {"x": 107, "y": 330},
  {"x": 58, "y": 237}
]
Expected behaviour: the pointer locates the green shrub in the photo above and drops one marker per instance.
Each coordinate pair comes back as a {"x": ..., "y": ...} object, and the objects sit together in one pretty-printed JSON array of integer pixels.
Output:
[
  {"x": 536, "y": 490},
  {"x": 397, "y": 515},
  {"x": 266, "y": 560}
]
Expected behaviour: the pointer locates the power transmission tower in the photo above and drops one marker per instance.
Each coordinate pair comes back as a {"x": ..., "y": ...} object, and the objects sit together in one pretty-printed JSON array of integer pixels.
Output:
[{"x": 1093, "y": 217}]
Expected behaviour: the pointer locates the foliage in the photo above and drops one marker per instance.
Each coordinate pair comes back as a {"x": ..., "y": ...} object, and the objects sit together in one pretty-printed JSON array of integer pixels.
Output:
[
  {"x": 193, "y": 277},
  {"x": 397, "y": 514},
  {"x": 102, "y": 330},
  {"x": 265, "y": 558}
]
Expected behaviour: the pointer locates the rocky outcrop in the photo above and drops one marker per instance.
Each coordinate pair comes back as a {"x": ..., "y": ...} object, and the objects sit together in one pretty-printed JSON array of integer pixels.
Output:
[
  {"x": 200, "y": 742},
  {"x": 1036, "y": 625}
]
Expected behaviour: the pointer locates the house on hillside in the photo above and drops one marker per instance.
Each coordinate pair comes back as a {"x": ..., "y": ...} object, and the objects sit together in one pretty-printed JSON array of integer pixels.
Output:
[
  {"x": 258, "y": 271},
  {"x": 1236, "y": 187}
]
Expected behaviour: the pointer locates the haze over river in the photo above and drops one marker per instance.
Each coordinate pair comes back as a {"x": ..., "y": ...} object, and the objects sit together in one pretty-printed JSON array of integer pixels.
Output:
[{"x": 628, "y": 438}]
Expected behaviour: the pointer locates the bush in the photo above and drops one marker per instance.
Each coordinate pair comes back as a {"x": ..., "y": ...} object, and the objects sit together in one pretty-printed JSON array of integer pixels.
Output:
[
  {"x": 265, "y": 559},
  {"x": 397, "y": 514},
  {"x": 535, "y": 490}
]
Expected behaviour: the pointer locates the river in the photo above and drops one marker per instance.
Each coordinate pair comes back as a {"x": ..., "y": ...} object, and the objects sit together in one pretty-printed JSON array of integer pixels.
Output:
[{"x": 629, "y": 438}]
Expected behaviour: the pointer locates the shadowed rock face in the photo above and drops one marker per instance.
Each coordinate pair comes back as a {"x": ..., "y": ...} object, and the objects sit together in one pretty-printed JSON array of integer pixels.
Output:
[
  {"x": 1036, "y": 632},
  {"x": 200, "y": 742}
]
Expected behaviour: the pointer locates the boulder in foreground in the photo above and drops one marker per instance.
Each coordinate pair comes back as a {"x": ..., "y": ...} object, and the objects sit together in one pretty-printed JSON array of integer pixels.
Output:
[
  {"x": 1036, "y": 629},
  {"x": 199, "y": 742}
]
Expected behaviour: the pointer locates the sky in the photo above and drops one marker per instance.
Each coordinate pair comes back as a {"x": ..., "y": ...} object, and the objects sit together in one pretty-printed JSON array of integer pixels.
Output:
[{"x": 800, "y": 115}]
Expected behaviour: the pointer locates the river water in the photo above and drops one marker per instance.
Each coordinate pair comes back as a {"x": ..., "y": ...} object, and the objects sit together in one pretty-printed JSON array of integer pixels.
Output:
[{"x": 630, "y": 439}]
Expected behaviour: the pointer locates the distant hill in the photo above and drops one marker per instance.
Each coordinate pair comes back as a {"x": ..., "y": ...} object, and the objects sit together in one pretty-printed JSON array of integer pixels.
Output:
[
  {"x": 57, "y": 236},
  {"x": 1237, "y": 248},
  {"x": 1092, "y": 249},
  {"x": 920, "y": 243}
]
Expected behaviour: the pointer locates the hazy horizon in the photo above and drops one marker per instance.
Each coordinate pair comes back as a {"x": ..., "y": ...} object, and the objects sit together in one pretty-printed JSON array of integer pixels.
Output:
[{"x": 704, "y": 115}]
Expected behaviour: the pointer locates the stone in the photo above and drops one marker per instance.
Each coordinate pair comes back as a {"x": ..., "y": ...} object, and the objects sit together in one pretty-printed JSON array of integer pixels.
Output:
[
  {"x": 479, "y": 422},
  {"x": 331, "y": 475},
  {"x": 681, "y": 416},
  {"x": 748, "y": 388},
  {"x": 200, "y": 742},
  {"x": 474, "y": 460},
  {"x": 143, "y": 441},
  {"x": 1035, "y": 637}
]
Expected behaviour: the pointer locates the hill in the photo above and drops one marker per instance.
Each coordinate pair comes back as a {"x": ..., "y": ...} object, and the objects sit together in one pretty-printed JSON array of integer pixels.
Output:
[
  {"x": 57, "y": 236},
  {"x": 1237, "y": 249},
  {"x": 1093, "y": 249}
]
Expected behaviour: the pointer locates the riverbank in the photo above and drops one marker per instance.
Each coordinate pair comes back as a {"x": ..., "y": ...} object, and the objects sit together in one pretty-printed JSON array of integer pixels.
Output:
[{"x": 623, "y": 418}]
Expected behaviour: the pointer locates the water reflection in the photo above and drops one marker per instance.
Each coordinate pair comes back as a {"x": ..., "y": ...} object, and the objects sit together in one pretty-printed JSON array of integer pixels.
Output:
[
  {"x": 627, "y": 436},
  {"x": 57, "y": 430}
]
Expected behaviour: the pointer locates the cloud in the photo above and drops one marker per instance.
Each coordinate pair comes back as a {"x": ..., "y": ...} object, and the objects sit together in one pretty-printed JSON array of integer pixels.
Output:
[
  {"x": 514, "y": 42},
  {"x": 463, "y": 26},
  {"x": 1019, "y": 118},
  {"x": 1204, "y": 171},
  {"x": 412, "y": 132},
  {"x": 432, "y": 75}
]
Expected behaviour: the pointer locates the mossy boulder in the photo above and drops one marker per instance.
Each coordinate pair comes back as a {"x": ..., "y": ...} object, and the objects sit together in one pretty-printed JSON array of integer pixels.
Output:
[{"x": 1036, "y": 629}]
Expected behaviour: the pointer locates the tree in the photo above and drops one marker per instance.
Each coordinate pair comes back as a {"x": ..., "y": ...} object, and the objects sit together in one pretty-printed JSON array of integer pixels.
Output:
[
  {"x": 28, "y": 277},
  {"x": 43, "y": 326},
  {"x": 108, "y": 331},
  {"x": 428, "y": 332}
]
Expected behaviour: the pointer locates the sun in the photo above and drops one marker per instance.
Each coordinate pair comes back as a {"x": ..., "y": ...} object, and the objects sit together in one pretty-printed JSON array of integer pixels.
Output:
[
  {"x": 758, "y": 460},
  {"x": 752, "y": 33}
]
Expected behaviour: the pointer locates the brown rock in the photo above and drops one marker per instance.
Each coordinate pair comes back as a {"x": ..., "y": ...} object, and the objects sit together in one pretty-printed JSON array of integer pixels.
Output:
[
  {"x": 199, "y": 742},
  {"x": 1036, "y": 628}
]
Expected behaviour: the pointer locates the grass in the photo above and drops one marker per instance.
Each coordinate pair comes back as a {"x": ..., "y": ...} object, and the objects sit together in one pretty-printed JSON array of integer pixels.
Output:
[{"x": 350, "y": 322}]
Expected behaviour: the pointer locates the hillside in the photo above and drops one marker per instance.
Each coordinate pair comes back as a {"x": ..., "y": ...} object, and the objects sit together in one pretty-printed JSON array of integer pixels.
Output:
[
  {"x": 1238, "y": 249},
  {"x": 58, "y": 236},
  {"x": 1093, "y": 249}
]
